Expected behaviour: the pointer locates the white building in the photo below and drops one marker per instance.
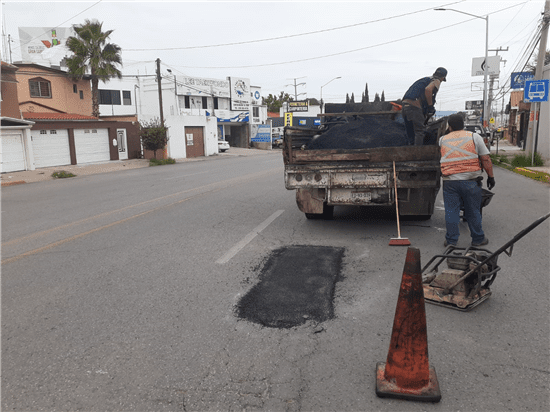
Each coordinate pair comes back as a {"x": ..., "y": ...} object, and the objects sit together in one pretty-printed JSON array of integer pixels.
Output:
[
  {"x": 118, "y": 99},
  {"x": 197, "y": 111}
]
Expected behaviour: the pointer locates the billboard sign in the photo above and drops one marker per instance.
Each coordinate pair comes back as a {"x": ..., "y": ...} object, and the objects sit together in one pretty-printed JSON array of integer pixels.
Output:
[
  {"x": 197, "y": 85},
  {"x": 263, "y": 133},
  {"x": 493, "y": 66},
  {"x": 240, "y": 93},
  {"x": 474, "y": 105},
  {"x": 299, "y": 106},
  {"x": 536, "y": 91},
  {"x": 40, "y": 44},
  {"x": 517, "y": 81}
]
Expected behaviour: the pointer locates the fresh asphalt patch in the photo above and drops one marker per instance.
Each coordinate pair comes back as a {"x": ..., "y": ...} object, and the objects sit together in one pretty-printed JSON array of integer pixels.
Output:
[{"x": 296, "y": 285}]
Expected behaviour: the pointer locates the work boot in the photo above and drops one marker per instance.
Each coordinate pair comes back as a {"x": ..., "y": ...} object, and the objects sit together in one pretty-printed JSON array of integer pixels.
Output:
[
  {"x": 482, "y": 243},
  {"x": 448, "y": 244}
]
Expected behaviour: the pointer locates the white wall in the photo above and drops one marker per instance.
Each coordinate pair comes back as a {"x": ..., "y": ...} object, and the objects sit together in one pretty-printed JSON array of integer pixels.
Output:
[
  {"x": 177, "y": 147},
  {"x": 125, "y": 84}
]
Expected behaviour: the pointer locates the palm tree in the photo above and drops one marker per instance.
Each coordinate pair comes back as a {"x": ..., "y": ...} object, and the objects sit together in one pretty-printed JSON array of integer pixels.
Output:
[{"x": 93, "y": 57}]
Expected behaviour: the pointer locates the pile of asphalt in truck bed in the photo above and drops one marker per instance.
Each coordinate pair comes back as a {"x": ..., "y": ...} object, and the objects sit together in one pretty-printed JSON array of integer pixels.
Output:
[{"x": 369, "y": 132}]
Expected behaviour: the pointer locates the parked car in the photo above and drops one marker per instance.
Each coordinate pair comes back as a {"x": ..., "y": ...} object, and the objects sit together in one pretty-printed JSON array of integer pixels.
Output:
[
  {"x": 223, "y": 145},
  {"x": 480, "y": 130},
  {"x": 276, "y": 142}
]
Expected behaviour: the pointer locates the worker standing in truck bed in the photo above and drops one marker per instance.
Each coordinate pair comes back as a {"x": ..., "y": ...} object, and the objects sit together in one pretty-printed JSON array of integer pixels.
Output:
[{"x": 418, "y": 105}]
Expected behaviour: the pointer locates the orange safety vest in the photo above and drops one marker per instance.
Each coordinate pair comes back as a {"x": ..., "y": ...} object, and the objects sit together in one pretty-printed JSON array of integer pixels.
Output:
[{"x": 458, "y": 153}]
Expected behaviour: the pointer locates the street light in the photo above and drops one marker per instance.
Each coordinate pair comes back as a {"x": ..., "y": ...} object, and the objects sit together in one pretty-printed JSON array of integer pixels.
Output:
[
  {"x": 485, "y": 63},
  {"x": 322, "y": 90}
]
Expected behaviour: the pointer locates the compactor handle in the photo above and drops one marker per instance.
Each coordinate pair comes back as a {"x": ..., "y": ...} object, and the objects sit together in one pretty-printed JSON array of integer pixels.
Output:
[{"x": 510, "y": 244}]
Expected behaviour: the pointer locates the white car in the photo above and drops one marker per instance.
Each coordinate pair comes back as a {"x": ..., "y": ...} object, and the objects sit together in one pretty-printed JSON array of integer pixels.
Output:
[{"x": 223, "y": 145}]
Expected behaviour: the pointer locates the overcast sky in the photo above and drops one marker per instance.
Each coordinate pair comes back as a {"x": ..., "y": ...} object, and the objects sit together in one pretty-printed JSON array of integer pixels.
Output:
[{"x": 387, "y": 44}]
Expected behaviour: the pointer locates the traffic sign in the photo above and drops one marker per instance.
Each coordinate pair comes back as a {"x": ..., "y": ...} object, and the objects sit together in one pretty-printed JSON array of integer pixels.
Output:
[
  {"x": 536, "y": 91},
  {"x": 517, "y": 81},
  {"x": 492, "y": 120}
]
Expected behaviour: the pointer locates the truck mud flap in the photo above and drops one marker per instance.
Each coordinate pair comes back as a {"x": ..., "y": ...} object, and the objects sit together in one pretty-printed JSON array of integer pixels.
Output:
[
  {"x": 417, "y": 202},
  {"x": 310, "y": 200}
]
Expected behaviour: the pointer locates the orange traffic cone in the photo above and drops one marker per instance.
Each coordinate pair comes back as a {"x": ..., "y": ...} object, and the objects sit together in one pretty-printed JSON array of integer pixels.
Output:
[{"x": 407, "y": 373}]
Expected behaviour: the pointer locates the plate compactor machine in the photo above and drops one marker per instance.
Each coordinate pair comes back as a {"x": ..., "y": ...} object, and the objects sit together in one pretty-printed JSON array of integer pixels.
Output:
[{"x": 465, "y": 282}]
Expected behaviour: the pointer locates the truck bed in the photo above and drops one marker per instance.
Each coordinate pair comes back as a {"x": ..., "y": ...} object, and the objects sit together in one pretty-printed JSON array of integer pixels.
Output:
[{"x": 362, "y": 177}]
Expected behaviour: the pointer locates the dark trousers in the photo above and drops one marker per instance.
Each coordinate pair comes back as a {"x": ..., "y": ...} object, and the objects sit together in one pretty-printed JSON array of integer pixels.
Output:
[
  {"x": 466, "y": 193},
  {"x": 414, "y": 124}
]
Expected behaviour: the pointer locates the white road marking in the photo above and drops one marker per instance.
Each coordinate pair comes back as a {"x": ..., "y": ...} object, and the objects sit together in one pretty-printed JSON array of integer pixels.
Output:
[{"x": 248, "y": 238}]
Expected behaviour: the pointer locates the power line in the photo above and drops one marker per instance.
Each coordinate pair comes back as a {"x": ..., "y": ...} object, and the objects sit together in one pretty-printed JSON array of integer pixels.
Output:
[
  {"x": 293, "y": 35},
  {"x": 345, "y": 52}
]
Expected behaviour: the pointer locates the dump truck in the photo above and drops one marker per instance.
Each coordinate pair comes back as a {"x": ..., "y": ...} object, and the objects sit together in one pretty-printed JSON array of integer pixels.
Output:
[{"x": 349, "y": 161}]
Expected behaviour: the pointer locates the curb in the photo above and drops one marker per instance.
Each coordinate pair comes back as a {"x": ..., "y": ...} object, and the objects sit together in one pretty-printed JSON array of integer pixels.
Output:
[{"x": 17, "y": 182}]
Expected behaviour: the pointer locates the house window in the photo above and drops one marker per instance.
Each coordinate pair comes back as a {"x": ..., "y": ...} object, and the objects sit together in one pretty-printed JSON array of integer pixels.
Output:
[
  {"x": 53, "y": 131},
  {"x": 126, "y": 97},
  {"x": 205, "y": 103},
  {"x": 109, "y": 97},
  {"x": 187, "y": 103},
  {"x": 43, "y": 132},
  {"x": 215, "y": 102},
  {"x": 40, "y": 88},
  {"x": 255, "y": 112},
  {"x": 74, "y": 88},
  {"x": 81, "y": 95}
]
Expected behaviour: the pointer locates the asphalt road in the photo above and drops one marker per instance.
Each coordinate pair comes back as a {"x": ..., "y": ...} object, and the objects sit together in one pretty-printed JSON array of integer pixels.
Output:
[{"x": 119, "y": 293}]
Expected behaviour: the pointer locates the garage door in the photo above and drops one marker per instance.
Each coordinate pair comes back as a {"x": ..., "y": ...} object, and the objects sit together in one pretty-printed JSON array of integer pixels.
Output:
[
  {"x": 51, "y": 147},
  {"x": 92, "y": 145},
  {"x": 12, "y": 151}
]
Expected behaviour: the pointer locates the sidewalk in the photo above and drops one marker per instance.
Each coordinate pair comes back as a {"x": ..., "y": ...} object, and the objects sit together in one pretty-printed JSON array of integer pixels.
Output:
[
  {"x": 45, "y": 173},
  {"x": 508, "y": 149}
]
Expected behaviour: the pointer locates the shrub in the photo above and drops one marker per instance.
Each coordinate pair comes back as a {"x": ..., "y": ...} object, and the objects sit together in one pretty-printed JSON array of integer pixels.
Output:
[
  {"x": 153, "y": 135},
  {"x": 157, "y": 162},
  {"x": 524, "y": 160},
  {"x": 62, "y": 174}
]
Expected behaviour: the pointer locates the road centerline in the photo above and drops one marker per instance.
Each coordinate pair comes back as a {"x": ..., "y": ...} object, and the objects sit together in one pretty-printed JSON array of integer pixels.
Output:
[{"x": 248, "y": 238}]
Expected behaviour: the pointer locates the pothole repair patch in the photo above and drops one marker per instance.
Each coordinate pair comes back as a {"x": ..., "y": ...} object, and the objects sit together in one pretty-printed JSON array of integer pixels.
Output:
[{"x": 296, "y": 285}]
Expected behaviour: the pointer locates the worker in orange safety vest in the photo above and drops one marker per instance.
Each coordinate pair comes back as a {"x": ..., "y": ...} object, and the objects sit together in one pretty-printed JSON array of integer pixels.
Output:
[{"x": 464, "y": 156}]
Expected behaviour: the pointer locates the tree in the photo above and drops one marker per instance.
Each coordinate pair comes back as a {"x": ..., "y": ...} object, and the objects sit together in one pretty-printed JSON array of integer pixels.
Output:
[
  {"x": 532, "y": 66},
  {"x": 347, "y": 97},
  {"x": 352, "y": 99},
  {"x": 367, "y": 92},
  {"x": 382, "y": 98},
  {"x": 376, "y": 98},
  {"x": 153, "y": 135},
  {"x": 363, "y": 97},
  {"x": 93, "y": 56},
  {"x": 274, "y": 103}
]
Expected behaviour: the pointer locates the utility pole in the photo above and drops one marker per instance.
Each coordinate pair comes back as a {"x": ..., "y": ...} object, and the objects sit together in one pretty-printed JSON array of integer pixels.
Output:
[
  {"x": 530, "y": 146},
  {"x": 493, "y": 77},
  {"x": 295, "y": 87},
  {"x": 159, "y": 77}
]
